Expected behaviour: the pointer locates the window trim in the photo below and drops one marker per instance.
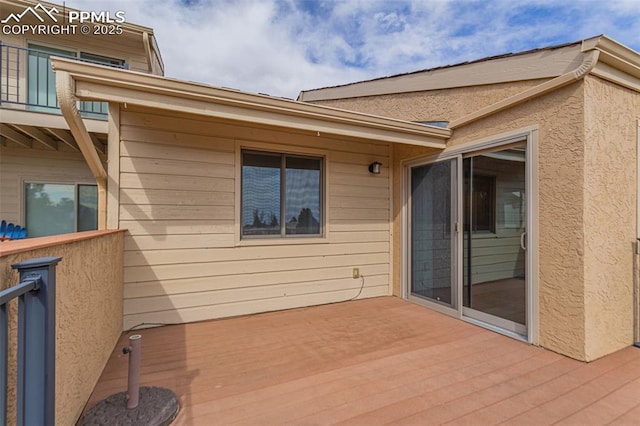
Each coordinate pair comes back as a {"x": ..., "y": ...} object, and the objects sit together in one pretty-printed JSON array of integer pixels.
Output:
[
  {"x": 248, "y": 145},
  {"x": 53, "y": 181}
]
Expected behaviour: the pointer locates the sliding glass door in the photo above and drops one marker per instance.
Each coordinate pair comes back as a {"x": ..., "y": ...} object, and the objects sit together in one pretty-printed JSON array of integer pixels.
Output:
[
  {"x": 433, "y": 232},
  {"x": 467, "y": 236},
  {"x": 494, "y": 224}
]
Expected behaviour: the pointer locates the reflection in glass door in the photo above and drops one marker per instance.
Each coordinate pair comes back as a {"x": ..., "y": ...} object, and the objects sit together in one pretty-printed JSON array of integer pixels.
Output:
[
  {"x": 494, "y": 249},
  {"x": 433, "y": 234}
]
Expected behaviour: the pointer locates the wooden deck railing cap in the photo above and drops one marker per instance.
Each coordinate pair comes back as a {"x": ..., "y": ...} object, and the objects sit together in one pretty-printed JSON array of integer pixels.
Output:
[{"x": 19, "y": 246}]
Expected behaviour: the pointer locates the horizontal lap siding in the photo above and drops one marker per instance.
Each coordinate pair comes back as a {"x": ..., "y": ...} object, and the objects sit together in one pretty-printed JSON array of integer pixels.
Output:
[
  {"x": 21, "y": 164},
  {"x": 177, "y": 199}
]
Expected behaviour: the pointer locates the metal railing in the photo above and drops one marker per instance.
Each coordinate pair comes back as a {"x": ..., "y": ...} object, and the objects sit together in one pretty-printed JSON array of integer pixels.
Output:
[
  {"x": 36, "y": 343},
  {"x": 26, "y": 78}
]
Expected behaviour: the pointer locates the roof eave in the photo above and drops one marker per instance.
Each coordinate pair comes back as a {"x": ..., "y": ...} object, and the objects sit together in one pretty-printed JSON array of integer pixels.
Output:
[
  {"x": 614, "y": 54},
  {"x": 93, "y": 82}
]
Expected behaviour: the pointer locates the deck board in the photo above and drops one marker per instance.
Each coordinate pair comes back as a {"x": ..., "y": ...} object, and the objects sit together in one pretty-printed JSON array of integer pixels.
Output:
[{"x": 373, "y": 361}]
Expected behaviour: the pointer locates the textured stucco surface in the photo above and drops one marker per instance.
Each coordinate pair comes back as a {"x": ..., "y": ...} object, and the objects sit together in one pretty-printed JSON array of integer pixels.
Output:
[
  {"x": 611, "y": 117},
  {"x": 88, "y": 314},
  {"x": 438, "y": 105}
]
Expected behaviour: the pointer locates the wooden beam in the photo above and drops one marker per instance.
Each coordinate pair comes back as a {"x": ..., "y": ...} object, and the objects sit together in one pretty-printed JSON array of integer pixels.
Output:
[
  {"x": 39, "y": 136},
  {"x": 50, "y": 121},
  {"x": 99, "y": 145},
  {"x": 65, "y": 89},
  {"x": 65, "y": 137},
  {"x": 15, "y": 136}
]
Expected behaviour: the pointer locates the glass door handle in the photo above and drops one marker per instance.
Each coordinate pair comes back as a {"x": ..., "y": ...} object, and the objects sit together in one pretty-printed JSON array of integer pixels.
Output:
[{"x": 522, "y": 237}]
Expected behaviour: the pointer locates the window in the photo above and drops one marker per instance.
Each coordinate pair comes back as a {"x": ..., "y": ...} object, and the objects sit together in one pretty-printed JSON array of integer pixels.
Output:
[
  {"x": 483, "y": 200},
  {"x": 60, "y": 208},
  {"x": 281, "y": 195}
]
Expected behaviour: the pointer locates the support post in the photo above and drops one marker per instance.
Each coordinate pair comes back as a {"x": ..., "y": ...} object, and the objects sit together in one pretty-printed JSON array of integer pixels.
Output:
[{"x": 133, "y": 382}]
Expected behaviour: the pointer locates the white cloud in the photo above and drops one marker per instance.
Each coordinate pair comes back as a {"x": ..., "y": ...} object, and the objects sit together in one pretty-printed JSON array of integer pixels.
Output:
[{"x": 282, "y": 46}]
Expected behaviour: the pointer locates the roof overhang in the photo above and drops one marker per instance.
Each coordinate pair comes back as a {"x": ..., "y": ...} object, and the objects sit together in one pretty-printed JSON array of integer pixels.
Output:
[
  {"x": 93, "y": 82},
  {"x": 534, "y": 65},
  {"x": 615, "y": 62}
]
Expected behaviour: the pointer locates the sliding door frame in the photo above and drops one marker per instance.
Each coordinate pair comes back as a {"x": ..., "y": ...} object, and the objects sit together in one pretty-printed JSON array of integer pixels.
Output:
[
  {"x": 529, "y": 135},
  {"x": 456, "y": 203}
]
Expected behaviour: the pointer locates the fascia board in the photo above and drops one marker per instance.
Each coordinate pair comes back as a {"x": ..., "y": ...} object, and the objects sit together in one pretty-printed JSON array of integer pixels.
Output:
[
  {"x": 543, "y": 64},
  {"x": 319, "y": 126},
  {"x": 100, "y": 83}
]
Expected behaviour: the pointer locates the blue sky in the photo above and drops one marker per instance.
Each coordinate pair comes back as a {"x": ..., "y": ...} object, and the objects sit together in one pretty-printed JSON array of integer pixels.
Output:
[{"x": 280, "y": 47}]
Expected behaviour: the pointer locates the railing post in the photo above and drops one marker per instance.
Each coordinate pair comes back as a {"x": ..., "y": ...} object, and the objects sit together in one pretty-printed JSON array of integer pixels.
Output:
[
  {"x": 36, "y": 343},
  {"x": 1, "y": 79}
]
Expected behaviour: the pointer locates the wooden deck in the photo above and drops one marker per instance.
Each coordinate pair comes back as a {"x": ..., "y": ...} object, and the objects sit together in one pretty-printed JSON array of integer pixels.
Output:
[{"x": 370, "y": 362}]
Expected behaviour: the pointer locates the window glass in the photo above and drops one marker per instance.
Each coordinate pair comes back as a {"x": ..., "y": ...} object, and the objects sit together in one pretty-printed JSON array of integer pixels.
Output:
[
  {"x": 281, "y": 194},
  {"x": 87, "y": 207},
  {"x": 50, "y": 209},
  {"x": 303, "y": 195},
  {"x": 60, "y": 208},
  {"x": 261, "y": 194},
  {"x": 102, "y": 60}
]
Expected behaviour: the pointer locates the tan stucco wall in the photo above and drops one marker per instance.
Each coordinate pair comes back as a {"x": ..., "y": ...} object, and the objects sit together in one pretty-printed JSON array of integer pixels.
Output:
[
  {"x": 438, "y": 105},
  {"x": 88, "y": 312},
  {"x": 610, "y": 190}
]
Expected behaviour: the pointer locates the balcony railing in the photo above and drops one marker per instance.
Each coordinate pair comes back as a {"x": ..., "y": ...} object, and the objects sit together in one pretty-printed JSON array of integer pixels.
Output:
[
  {"x": 27, "y": 81},
  {"x": 36, "y": 343}
]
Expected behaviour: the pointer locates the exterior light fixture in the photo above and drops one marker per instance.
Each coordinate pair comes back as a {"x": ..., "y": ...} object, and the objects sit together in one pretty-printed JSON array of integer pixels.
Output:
[{"x": 374, "y": 167}]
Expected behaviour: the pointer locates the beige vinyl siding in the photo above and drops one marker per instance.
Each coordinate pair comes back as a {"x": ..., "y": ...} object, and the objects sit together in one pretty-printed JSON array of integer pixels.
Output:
[
  {"x": 18, "y": 165},
  {"x": 183, "y": 258}
]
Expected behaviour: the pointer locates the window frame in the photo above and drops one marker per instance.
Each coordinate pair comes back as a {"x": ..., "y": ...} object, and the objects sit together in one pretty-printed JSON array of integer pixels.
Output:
[
  {"x": 76, "y": 187},
  {"x": 280, "y": 148},
  {"x": 283, "y": 191}
]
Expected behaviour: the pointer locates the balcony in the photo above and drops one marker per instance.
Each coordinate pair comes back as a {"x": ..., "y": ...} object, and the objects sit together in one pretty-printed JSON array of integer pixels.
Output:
[{"x": 27, "y": 81}]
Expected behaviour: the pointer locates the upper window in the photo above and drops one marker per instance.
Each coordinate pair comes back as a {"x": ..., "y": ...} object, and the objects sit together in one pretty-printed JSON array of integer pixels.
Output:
[
  {"x": 60, "y": 208},
  {"x": 281, "y": 195}
]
